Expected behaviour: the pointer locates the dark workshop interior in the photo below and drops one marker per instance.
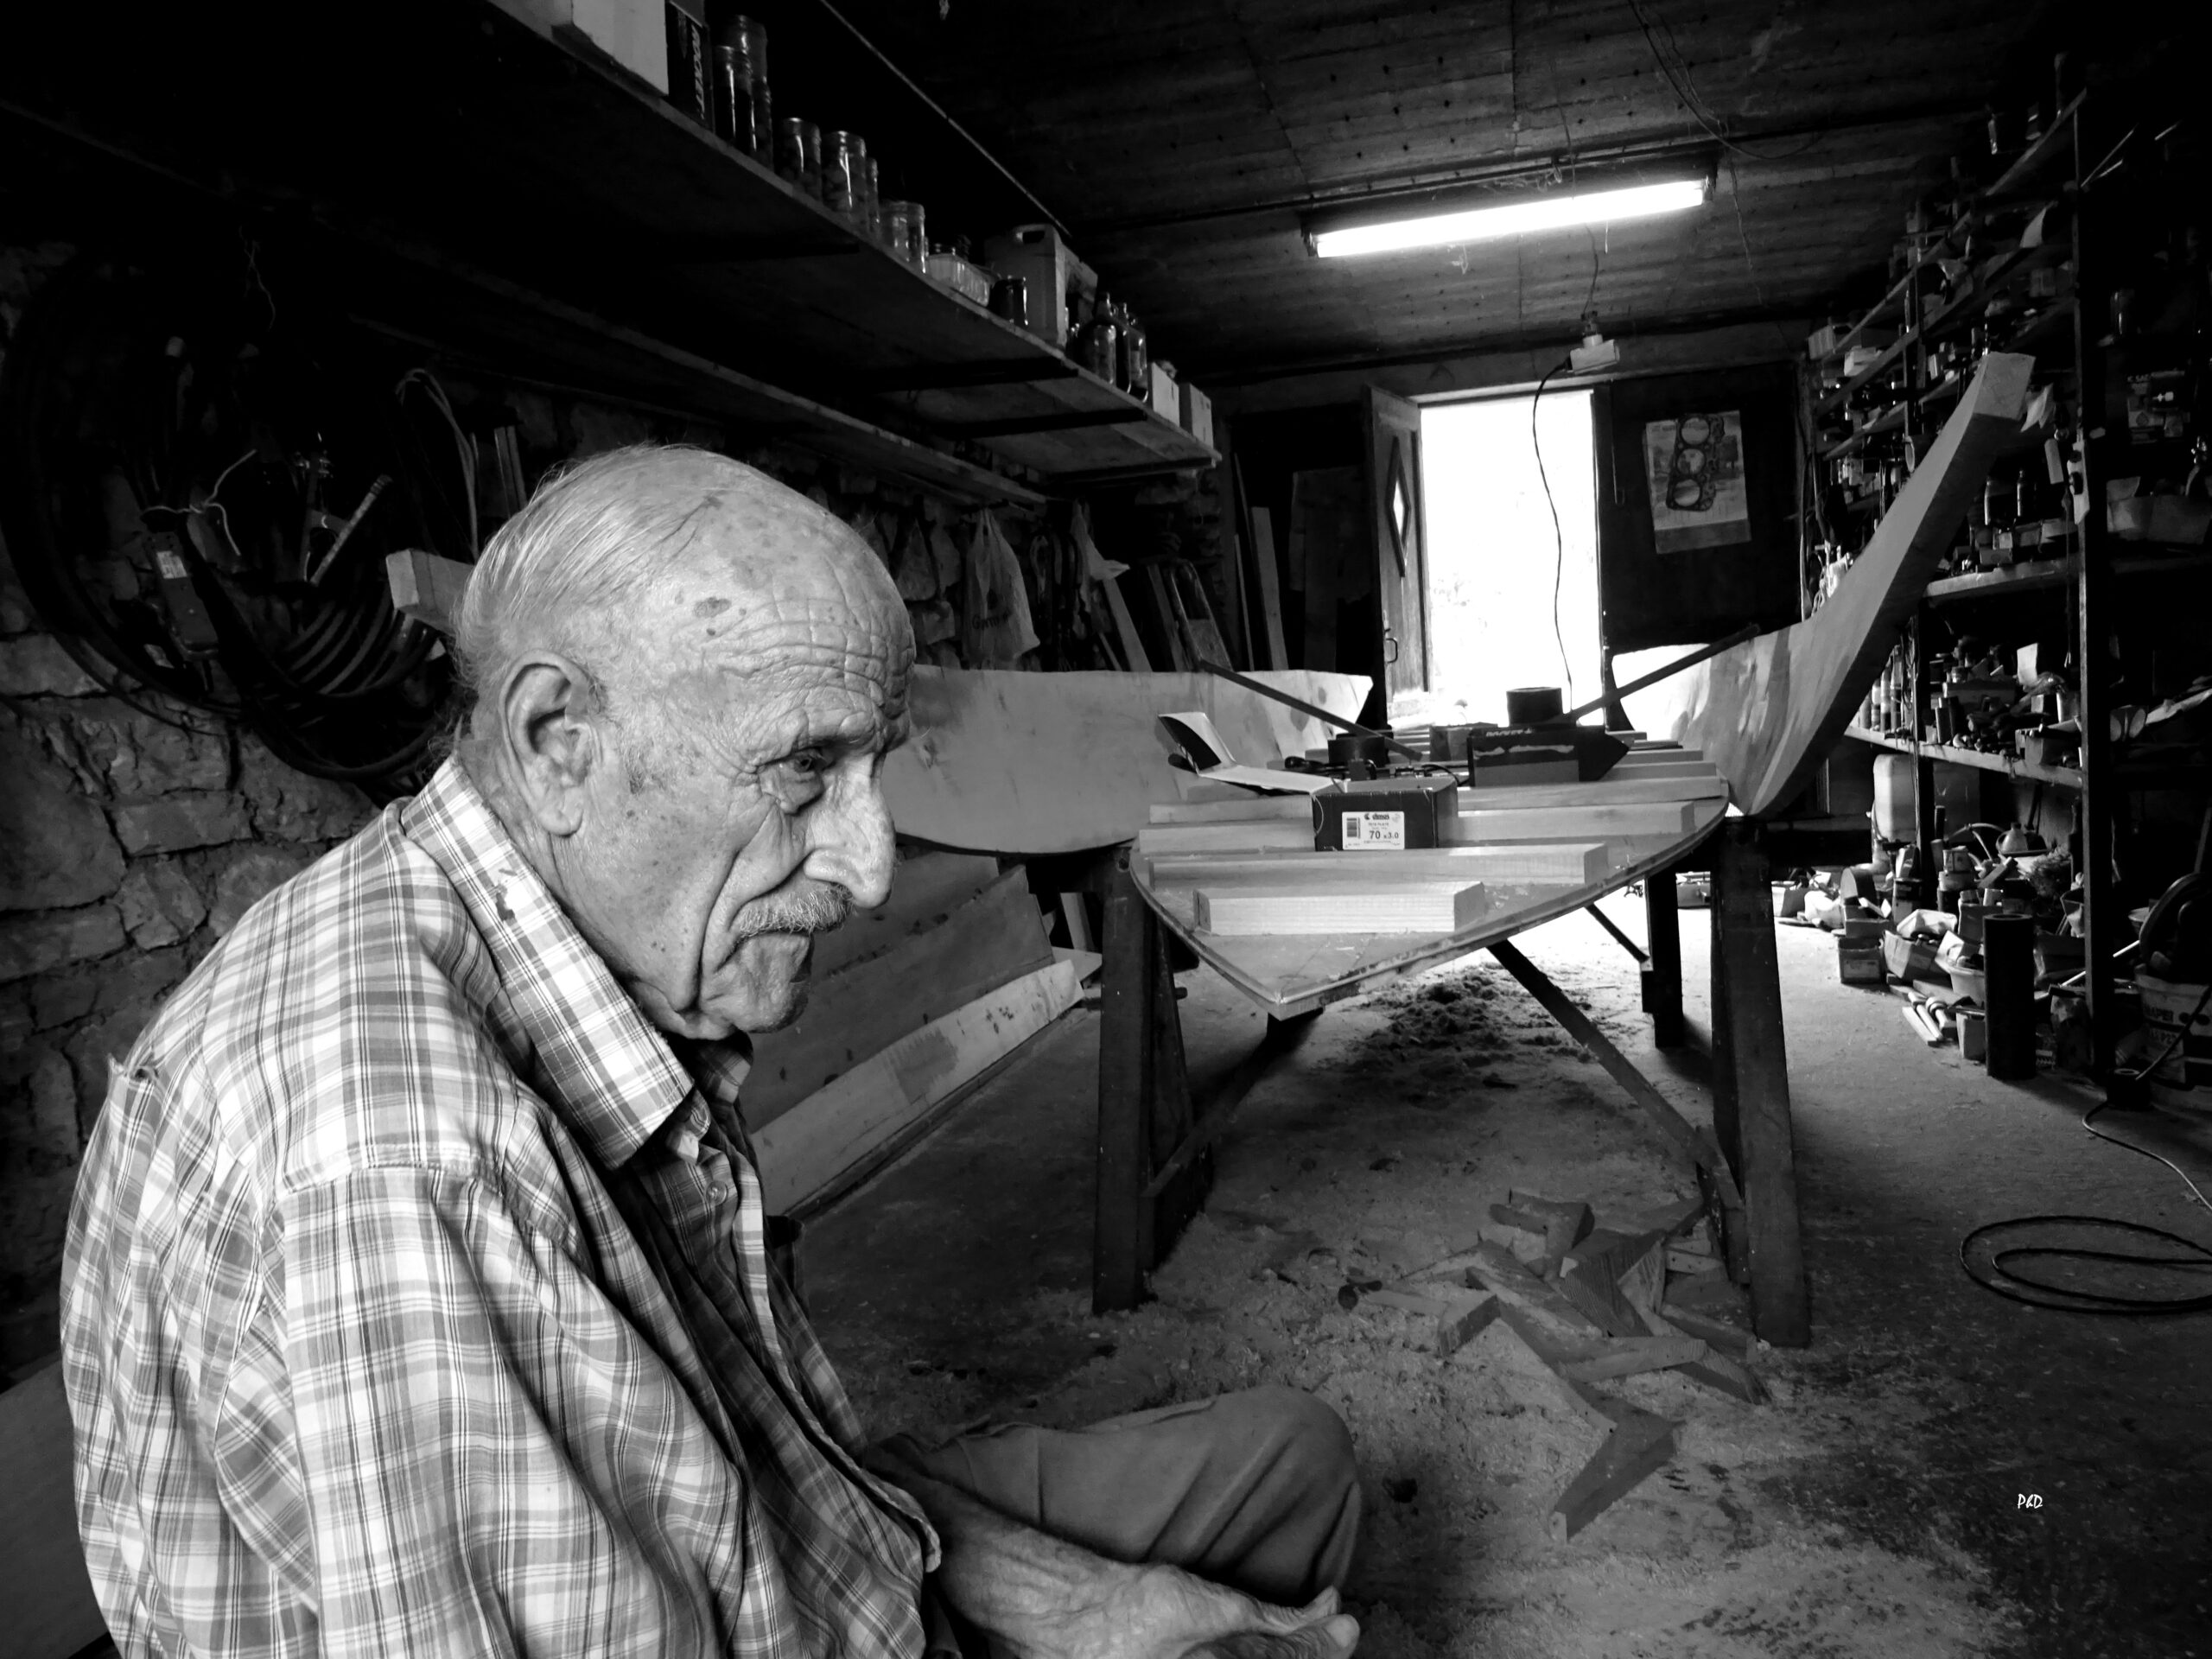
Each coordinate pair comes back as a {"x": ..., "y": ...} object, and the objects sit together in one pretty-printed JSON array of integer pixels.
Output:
[{"x": 1604, "y": 855}]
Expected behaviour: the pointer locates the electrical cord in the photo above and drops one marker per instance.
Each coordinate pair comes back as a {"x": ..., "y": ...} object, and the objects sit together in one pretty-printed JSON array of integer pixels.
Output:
[
  {"x": 2003, "y": 1281},
  {"x": 1678, "y": 76},
  {"x": 1558, "y": 537},
  {"x": 136, "y": 398}
]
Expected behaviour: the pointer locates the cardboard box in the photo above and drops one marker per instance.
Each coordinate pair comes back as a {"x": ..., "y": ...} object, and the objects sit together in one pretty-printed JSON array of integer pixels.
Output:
[
  {"x": 1036, "y": 254},
  {"x": 1198, "y": 414},
  {"x": 634, "y": 33},
  {"x": 1384, "y": 814},
  {"x": 1858, "y": 962},
  {"x": 1164, "y": 399},
  {"x": 1909, "y": 959}
]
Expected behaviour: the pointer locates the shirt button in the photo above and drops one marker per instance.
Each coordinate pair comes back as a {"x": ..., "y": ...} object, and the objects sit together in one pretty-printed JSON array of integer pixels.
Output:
[{"x": 718, "y": 1192}]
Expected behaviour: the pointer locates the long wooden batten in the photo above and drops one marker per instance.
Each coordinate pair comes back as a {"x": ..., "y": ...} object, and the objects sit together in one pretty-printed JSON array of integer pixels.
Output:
[{"x": 1766, "y": 711}]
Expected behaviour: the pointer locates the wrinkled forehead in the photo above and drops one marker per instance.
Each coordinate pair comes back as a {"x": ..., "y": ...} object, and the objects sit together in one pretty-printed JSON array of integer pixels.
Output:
[{"x": 779, "y": 603}]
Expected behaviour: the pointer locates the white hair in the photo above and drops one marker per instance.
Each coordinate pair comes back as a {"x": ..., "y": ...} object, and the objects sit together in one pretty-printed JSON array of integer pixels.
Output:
[{"x": 567, "y": 571}]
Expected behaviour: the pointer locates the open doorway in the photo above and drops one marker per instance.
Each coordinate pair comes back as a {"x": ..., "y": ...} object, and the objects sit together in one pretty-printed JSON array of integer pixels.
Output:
[{"x": 1512, "y": 591}]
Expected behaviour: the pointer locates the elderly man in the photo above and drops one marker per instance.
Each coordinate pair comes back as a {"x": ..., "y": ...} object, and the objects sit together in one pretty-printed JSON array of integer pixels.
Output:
[{"x": 417, "y": 1300}]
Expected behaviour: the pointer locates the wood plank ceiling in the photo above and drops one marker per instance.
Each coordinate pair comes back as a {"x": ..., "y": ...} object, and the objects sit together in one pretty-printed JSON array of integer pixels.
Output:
[{"x": 1181, "y": 140}]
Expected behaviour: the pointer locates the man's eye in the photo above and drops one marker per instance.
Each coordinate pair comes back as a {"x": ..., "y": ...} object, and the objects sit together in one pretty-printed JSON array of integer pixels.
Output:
[{"x": 808, "y": 763}]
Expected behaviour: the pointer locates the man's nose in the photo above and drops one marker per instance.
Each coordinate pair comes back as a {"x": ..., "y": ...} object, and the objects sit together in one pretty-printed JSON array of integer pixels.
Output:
[{"x": 851, "y": 842}]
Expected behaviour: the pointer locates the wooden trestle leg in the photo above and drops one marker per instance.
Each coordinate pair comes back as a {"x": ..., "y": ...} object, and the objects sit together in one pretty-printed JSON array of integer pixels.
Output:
[
  {"x": 1144, "y": 1100},
  {"x": 1155, "y": 1142},
  {"x": 1663, "y": 965},
  {"x": 1750, "y": 1082}
]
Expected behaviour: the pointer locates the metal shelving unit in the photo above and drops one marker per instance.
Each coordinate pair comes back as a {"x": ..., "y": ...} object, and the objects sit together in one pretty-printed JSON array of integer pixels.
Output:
[{"x": 2088, "y": 579}]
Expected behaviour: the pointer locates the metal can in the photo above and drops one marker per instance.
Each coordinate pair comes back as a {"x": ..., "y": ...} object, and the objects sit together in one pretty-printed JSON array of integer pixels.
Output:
[
  {"x": 837, "y": 190},
  {"x": 1010, "y": 300}
]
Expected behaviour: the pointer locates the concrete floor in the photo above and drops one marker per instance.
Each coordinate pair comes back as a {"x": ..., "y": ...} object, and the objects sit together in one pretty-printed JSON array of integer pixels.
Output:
[{"x": 1875, "y": 1506}]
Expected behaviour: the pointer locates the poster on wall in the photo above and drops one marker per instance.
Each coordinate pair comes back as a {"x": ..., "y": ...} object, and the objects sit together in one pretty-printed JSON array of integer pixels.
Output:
[{"x": 1693, "y": 465}]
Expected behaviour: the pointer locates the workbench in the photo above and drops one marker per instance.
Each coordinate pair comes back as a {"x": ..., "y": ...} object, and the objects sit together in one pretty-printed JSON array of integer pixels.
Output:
[{"x": 1156, "y": 1140}]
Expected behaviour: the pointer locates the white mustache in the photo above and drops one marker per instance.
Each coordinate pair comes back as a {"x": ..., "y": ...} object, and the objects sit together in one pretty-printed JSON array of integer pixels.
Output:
[{"x": 815, "y": 909}]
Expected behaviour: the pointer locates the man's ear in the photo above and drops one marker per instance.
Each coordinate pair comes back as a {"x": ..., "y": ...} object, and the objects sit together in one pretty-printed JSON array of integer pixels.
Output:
[{"x": 549, "y": 714}]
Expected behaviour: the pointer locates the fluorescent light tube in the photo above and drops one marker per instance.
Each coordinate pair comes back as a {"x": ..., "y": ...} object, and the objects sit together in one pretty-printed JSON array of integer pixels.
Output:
[{"x": 1542, "y": 213}]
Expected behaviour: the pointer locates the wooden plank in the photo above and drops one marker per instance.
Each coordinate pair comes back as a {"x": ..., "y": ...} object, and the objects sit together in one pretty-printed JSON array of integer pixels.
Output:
[
  {"x": 1662, "y": 969},
  {"x": 1477, "y": 825},
  {"x": 995, "y": 937},
  {"x": 1631, "y": 1453},
  {"x": 1591, "y": 1276},
  {"x": 925, "y": 889},
  {"x": 1408, "y": 908},
  {"x": 1563, "y": 1223},
  {"x": 1636, "y": 1356},
  {"x": 1270, "y": 580},
  {"x": 1126, "y": 1007},
  {"x": 48, "y": 1594},
  {"x": 1244, "y": 807},
  {"x": 1465, "y": 1316},
  {"x": 428, "y": 588},
  {"x": 1211, "y": 1116},
  {"x": 1695, "y": 1147},
  {"x": 1542, "y": 1307},
  {"x": 1606, "y": 792},
  {"x": 1536, "y": 861},
  {"x": 1769, "y": 710},
  {"x": 1007, "y": 762},
  {"x": 811, "y": 1147},
  {"x": 1236, "y": 835},
  {"x": 1752, "y": 986}
]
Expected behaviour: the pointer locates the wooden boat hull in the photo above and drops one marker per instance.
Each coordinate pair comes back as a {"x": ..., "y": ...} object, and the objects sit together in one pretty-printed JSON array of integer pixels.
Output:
[
  {"x": 1522, "y": 882},
  {"x": 1769, "y": 711},
  {"x": 1030, "y": 764}
]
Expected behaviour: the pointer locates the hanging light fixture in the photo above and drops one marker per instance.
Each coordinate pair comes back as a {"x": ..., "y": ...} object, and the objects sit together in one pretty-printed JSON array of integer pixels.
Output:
[{"x": 1433, "y": 226}]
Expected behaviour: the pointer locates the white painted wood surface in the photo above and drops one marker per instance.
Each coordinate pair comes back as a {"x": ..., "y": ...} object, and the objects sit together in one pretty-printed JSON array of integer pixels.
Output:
[
  {"x": 837, "y": 1128},
  {"x": 1007, "y": 762}
]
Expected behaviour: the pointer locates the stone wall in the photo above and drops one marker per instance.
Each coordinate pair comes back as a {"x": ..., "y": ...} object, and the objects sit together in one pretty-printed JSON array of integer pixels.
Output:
[
  {"x": 131, "y": 839},
  {"x": 133, "y": 835}
]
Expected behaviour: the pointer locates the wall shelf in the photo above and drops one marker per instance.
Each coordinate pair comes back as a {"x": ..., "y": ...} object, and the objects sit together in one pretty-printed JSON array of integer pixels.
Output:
[
  {"x": 2045, "y": 574},
  {"x": 2067, "y": 777},
  {"x": 536, "y": 161}
]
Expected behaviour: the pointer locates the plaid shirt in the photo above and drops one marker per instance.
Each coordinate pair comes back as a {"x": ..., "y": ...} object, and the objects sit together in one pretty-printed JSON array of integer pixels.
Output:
[{"x": 416, "y": 1303}]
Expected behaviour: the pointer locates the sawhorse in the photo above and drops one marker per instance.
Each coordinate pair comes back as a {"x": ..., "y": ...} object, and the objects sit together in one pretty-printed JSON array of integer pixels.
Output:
[{"x": 1155, "y": 1162}]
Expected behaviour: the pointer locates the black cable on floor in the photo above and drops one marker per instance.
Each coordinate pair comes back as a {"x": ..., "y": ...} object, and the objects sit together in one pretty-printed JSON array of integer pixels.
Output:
[
  {"x": 2015, "y": 1287},
  {"x": 2002, "y": 1280}
]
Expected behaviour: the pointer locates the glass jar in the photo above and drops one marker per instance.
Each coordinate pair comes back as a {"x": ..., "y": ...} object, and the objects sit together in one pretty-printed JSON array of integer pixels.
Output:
[
  {"x": 744, "y": 113},
  {"x": 856, "y": 158},
  {"x": 810, "y": 152},
  {"x": 916, "y": 250},
  {"x": 895, "y": 227},
  {"x": 872, "y": 210},
  {"x": 1135, "y": 359},
  {"x": 1097, "y": 343},
  {"x": 791, "y": 150},
  {"x": 838, "y": 189}
]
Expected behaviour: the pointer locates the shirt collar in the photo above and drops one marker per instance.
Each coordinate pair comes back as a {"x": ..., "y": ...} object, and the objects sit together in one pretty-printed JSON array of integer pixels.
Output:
[{"x": 616, "y": 1077}]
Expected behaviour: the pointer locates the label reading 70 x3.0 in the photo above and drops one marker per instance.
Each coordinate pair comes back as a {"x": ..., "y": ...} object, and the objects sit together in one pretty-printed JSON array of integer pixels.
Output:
[{"x": 1374, "y": 832}]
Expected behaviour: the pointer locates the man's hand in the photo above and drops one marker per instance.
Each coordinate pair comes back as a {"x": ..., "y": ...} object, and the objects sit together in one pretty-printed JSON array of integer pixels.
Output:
[
  {"x": 1163, "y": 1613},
  {"x": 1046, "y": 1598}
]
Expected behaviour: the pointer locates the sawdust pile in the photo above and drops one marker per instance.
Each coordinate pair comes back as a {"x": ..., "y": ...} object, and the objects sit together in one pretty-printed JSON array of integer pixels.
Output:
[{"x": 1421, "y": 1106}]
